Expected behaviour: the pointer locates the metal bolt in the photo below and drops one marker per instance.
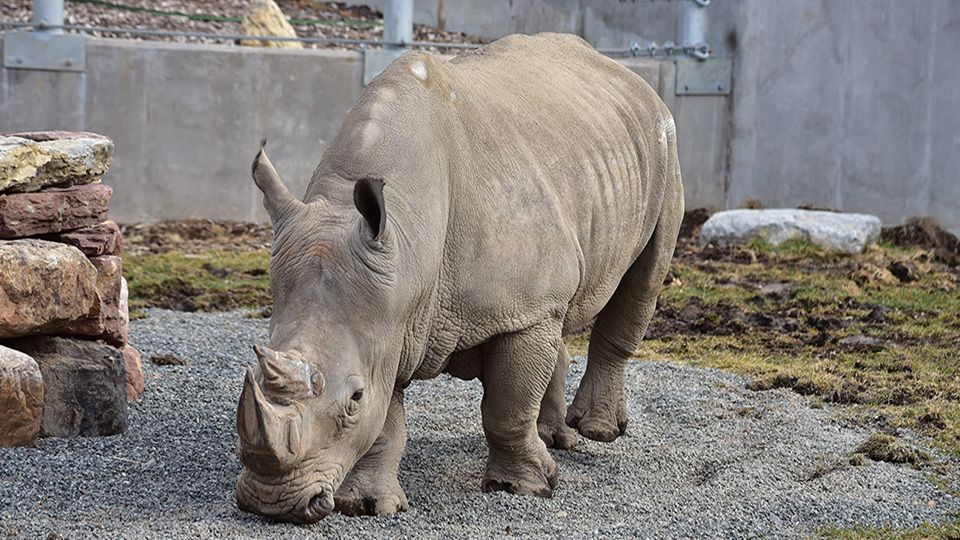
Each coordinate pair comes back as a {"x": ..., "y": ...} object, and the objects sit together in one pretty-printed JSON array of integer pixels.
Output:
[
  {"x": 67, "y": 62},
  {"x": 686, "y": 88},
  {"x": 720, "y": 87},
  {"x": 18, "y": 60}
]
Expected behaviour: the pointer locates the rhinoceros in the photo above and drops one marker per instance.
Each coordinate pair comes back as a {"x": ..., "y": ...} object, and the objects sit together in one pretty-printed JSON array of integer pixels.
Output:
[{"x": 469, "y": 214}]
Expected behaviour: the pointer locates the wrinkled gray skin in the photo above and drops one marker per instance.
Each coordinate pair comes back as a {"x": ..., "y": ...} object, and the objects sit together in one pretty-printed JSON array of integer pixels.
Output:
[{"x": 469, "y": 214}]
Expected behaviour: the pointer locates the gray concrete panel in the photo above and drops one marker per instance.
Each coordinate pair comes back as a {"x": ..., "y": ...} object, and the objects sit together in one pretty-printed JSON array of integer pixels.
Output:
[
  {"x": 186, "y": 120},
  {"x": 849, "y": 105}
]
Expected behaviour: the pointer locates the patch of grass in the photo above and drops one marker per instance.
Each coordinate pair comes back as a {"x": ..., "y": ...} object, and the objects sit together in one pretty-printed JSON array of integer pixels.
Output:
[
  {"x": 883, "y": 447},
  {"x": 208, "y": 281},
  {"x": 798, "y": 246},
  {"x": 926, "y": 531},
  {"x": 793, "y": 317}
]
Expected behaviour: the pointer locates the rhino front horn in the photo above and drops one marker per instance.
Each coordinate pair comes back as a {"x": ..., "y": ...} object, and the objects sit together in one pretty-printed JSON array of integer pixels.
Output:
[
  {"x": 277, "y": 199},
  {"x": 269, "y": 441}
]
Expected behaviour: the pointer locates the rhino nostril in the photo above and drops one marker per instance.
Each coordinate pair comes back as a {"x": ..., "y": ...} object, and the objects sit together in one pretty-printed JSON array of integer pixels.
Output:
[{"x": 320, "y": 505}]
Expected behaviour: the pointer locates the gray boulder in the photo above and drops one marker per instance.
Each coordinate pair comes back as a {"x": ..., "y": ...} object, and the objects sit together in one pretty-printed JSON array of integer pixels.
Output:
[
  {"x": 849, "y": 233},
  {"x": 85, "y": 386}
]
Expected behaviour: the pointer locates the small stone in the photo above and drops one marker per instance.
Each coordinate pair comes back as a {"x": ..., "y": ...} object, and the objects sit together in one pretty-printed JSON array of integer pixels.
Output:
[
  {"x": 123, "y": 311},
  {"x": 94, "y": 241},
  {"x": 849, "y": 233},
  {"x": 905, "y": 271},
  {"x": 44, "y": 286},
  {"x": 167, "y": 360},
  {"x": 133, "y": 368},
  {"x": 33, "y": 161},
  {"x": 21, "y": 398},
  {"x": 867, "y": 274},
  {"x": 84, "y": 386},
  {"x": 53, "y": 211},
  {"x": 265, "y": 18},
  {"x": 860, "y": 342}
]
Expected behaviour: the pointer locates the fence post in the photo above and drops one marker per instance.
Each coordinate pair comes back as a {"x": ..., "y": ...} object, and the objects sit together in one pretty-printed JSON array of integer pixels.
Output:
[
  {"x": 693, "y": 29},
  {"x": 397, "y": 21},
  {"x": 48, "y": 13}
]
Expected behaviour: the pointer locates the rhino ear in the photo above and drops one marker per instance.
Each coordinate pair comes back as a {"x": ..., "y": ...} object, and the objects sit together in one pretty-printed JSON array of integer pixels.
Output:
[
  {"x": 277, "y": 199},
  {"x": 368, "y": 198}
]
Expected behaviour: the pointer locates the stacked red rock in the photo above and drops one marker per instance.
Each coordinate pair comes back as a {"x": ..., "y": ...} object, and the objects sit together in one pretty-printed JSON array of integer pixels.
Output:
[{"x": 63, "y": 299}]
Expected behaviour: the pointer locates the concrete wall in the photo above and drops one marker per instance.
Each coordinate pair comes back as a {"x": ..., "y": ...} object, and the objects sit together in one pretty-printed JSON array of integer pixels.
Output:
[
  {"x": 851, "y": 105},
  {"x": 604, "y": 23},
  {"x": 186, "y": 120},
  {"x": 847, "y": 104}
]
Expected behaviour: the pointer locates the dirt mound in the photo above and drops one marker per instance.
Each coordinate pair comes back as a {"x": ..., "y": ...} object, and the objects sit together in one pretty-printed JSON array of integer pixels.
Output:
[
  {"x": 925, "y": 232},
  {"x": 194, "y": 236}
]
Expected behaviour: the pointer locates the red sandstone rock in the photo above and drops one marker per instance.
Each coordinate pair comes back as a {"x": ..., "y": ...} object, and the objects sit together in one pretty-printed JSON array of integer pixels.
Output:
[
  {"x": 53, "y": 211},
  {"x": 93, "y": 241},
  {"x": 134, "y": 372},
  {"x": 21, "y": 398},
  {"x": 44, "y": 287},
  {"x": 104, "y": 320}
]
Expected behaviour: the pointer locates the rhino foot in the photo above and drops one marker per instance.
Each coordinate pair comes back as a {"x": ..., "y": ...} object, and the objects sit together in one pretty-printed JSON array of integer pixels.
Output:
[
  {"x": 600, "y": 415},
  {"x": 375, "y": 499},
  {"x": 537, "y": 476},
  {"x": 557, "y": 435}
]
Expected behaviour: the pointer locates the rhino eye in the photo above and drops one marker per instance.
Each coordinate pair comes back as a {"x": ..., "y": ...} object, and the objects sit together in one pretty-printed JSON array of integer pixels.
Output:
[{"x": 357, "y": 396}]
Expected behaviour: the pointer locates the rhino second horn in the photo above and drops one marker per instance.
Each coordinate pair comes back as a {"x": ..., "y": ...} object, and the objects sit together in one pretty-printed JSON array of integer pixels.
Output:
[
  {"x": 265, "y": 436},
  {"x": 277, "y": 199},
  {"x": 286, "y": 376}
]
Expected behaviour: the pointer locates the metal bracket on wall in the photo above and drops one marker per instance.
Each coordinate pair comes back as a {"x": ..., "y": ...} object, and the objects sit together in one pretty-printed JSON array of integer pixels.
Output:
[
  {"x": 711, "y": 77},
  {"x": 376, "y": 60},
  {"x": 46, "y": 51}
]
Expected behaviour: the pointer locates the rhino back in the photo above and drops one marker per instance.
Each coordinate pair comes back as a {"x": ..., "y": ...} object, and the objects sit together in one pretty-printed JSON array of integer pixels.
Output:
[
  {"x": 563, "y": 169},
  {"x": 528, "y": 176}
]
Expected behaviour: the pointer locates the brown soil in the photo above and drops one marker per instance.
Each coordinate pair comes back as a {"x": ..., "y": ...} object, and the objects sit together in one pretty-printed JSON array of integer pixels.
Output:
[
  {"x": 194, "y": 236},
  {"x": 772, "y": 312},
  {"x": 926, "y": 233}
]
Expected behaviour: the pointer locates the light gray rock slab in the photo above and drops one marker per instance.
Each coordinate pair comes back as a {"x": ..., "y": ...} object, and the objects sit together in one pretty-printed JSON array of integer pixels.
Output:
[
  {"x": 34, "y": 161},
  {"x": 849, "y": 233}
]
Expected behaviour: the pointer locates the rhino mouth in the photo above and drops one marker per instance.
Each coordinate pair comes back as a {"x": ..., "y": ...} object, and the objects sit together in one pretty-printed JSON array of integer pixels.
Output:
[
  {"x": 319, "y": 507},
  {"x": 284, "y": 501}
]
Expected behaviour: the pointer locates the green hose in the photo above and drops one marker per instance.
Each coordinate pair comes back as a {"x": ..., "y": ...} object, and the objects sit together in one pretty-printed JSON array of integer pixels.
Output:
[{"x": 353, "y": 23}]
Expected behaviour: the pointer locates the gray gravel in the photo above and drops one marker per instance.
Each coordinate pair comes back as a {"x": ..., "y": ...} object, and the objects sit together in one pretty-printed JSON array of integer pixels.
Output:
[{"x": 703, "y": 458}]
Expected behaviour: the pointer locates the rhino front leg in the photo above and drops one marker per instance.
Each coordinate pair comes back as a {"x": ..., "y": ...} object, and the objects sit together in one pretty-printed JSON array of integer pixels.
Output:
[
  {"x": 517, "y": 368},
  {"x": 553, "y": 408},
  {"x": 371, "y": 487}
]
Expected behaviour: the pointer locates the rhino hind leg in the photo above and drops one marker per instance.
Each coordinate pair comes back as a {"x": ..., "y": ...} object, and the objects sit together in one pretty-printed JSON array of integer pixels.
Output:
[
  {"x": 517, "y": 369},
  {"x": 371, "y": 487},
  {"x": 551, "y": 423},
  {"x": 599, "y": 410}
]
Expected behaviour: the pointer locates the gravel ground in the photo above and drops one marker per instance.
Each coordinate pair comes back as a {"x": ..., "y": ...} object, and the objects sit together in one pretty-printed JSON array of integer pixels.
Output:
[{"x": 703, "y": 458}]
